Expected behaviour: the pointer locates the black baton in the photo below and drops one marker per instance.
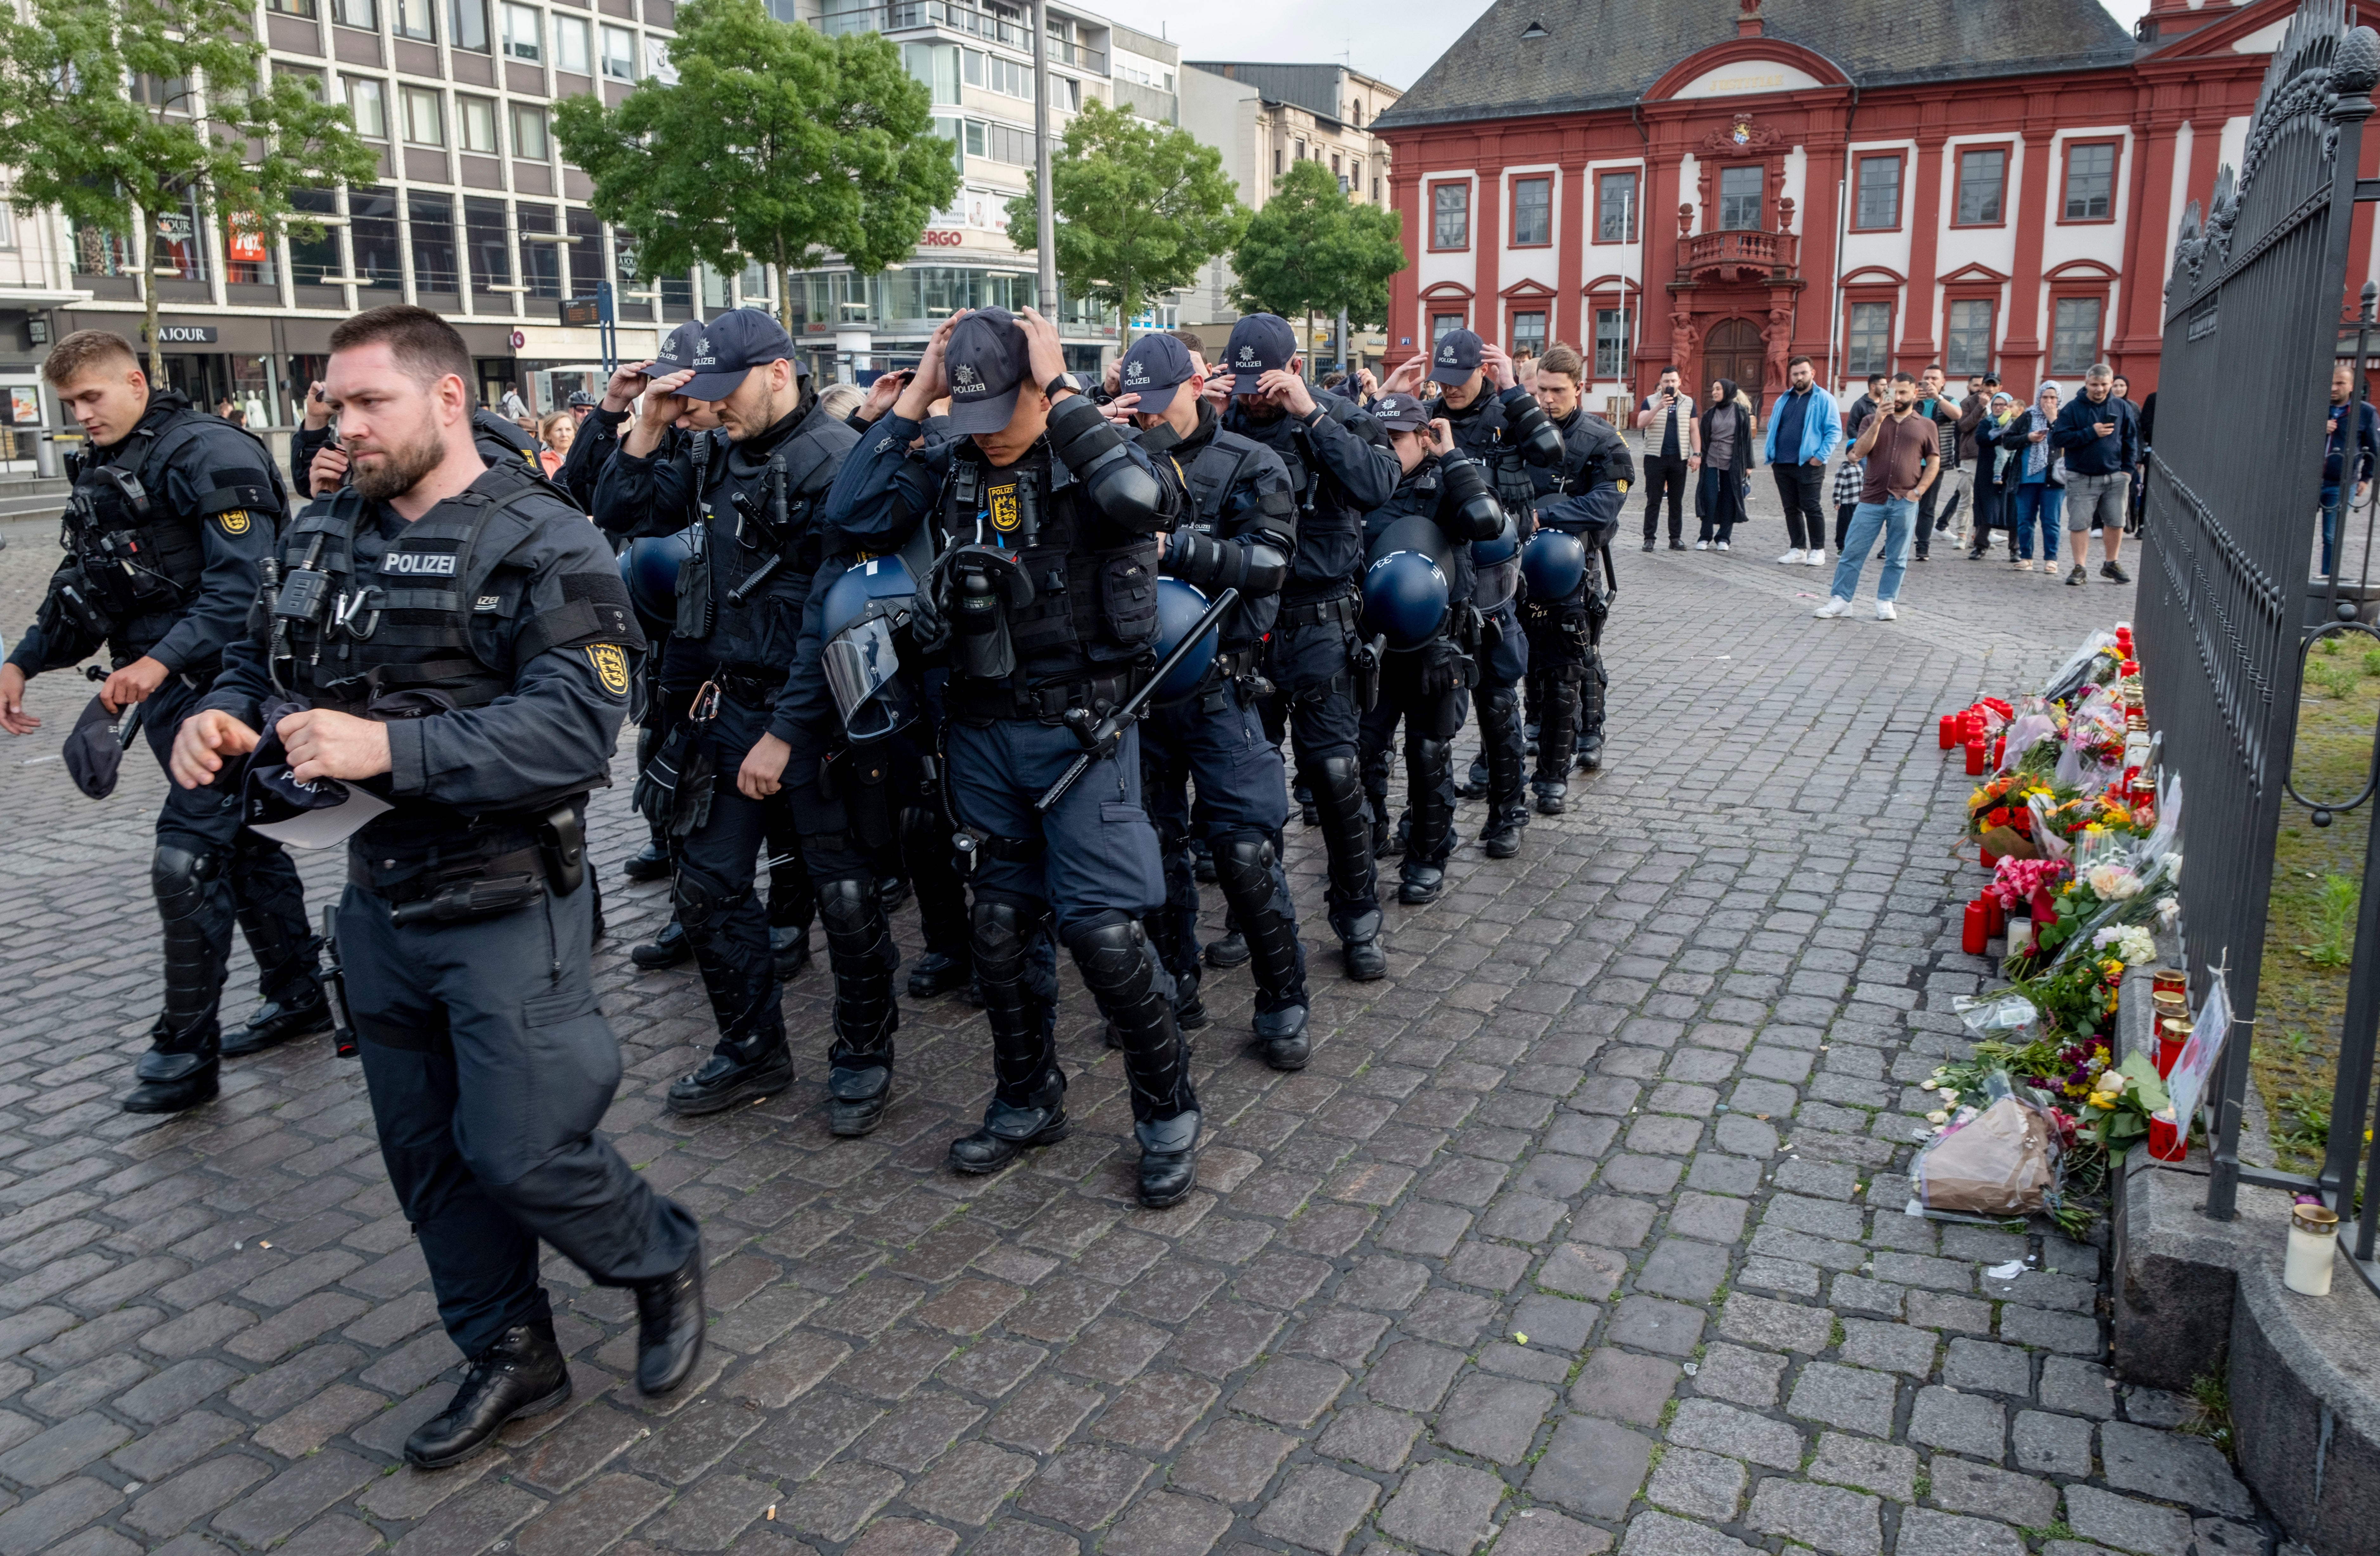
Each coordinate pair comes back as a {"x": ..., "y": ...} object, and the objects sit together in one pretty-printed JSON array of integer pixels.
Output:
[{"x": 1101, "y": 740}]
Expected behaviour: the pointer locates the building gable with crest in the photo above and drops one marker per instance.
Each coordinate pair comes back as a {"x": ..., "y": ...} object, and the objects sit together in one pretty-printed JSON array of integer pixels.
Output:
[{"x": 1992, "y": 185}]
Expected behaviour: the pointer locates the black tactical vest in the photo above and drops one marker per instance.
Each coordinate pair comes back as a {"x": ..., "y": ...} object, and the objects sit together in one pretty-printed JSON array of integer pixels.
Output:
[
  {"x": 141, "y": 557},
  {"x": 1329, "y": 560},
  {"x": 417, "y": 614},
  {"x": 757, "y": 517},
  {"x": 1212, "y": 474},
  {"x": 1094, "y": 611}
]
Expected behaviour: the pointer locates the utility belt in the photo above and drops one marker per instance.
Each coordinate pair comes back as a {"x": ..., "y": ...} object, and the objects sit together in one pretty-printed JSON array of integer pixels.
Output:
[
  {"x": 487, "y": 882},
  {"x": 751, "y": 688},
  {"x": 982, "y": 702},
  {"x": 974, "y": 846},
  {"x": 1241, "y": 664},
  {"x": 1341, "y": 609}
]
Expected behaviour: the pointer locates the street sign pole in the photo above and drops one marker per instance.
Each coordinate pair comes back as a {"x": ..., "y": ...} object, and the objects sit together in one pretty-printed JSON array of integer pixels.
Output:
[{"x": 607, "y": 330}]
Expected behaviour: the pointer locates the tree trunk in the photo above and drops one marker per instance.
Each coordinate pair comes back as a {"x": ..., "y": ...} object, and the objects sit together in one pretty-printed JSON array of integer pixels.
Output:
[
  {"x": 1309, "y": 344},
  {"x": 144, "y": 243},
  {"x": 784, "y": 289}
]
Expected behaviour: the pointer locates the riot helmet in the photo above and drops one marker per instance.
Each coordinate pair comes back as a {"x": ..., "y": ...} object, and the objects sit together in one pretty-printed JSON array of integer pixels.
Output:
[
  {"x": 862, "y": 619},
  {"x": 1179, "y": 606},
  {"x": 1554, "y": 564},
  {"x": 1404, "y": 599}
]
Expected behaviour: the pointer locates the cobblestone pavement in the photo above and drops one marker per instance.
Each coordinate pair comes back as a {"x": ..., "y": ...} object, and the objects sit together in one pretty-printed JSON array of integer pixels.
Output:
[{"x": 1583, "y": 1230}]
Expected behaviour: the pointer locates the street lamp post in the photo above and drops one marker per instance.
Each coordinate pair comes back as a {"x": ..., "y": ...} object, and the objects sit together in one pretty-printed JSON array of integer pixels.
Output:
[{"x": 1044, "y": 232}]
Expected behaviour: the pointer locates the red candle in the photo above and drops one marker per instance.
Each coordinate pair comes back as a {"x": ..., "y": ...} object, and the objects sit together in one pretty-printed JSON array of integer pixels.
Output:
[
  {"x": 2169, "y": 1051},
  {"x": 2167, "y": 1142},
  {"x": 1991, "y": 860},
  {"x": 1949, "y": 730},
  {"x": 2000, "y": 750},
  {"x": 1994, "y": 915},
  {"x": 2044, "y": 907},
  {"x": 1975, "y": 756},
  {"x": 1972, "y": 935}
]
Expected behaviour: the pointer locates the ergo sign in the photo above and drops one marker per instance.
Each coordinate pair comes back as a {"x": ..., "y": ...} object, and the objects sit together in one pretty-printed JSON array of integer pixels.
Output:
[{"x": 941, "y": 239}]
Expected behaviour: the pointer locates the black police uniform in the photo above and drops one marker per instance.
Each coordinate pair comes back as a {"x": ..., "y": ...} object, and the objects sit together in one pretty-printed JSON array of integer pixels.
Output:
[
  {"x": 1341, "y": 466},
  {"x": 757, "y": 502},
  {"x": 1239, "y": 530},
  {"x": 675, "y": 671},
  {"x": 166, "y": 538},
  {"x": 1054, "y": 557},
  {"x": 1508, "y": 434},
  {"x": 1581, "y": 497},
  {"x": 1427, "y": 687},
  {"x": 495, "y": 639}
]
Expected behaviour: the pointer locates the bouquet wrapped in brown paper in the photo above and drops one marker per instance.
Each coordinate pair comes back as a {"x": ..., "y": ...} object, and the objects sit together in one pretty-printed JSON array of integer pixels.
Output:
[{"x": 2001, "y": 1162}]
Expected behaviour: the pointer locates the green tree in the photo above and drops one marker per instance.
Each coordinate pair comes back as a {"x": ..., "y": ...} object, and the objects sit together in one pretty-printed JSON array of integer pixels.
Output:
[
  {"x": 776, "y": 143},
  {"x": 126, "y": 112},
  {"x": 1139, "y": 208},
  {"x": 1311, "y": 250}
]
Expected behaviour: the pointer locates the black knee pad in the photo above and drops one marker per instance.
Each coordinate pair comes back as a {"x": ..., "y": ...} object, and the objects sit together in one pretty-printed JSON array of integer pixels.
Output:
[
  {"x": 1000, "y": 931},
  {"x": 848, "y": 906},
  {"x": 1497, "y": 704},
  {"x": 179, "y": 878},
  {"x": 1244, "y": 859},
  {"x": 701, "y": 902},
  {"x": 1113, "y": 952}
]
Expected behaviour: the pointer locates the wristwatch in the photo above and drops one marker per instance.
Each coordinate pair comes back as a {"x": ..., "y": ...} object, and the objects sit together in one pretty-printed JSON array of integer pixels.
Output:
[{"x": 1064, "y": 381}]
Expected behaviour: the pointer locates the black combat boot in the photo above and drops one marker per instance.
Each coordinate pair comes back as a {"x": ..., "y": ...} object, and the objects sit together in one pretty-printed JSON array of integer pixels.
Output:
[
  {"x": 522, "y": 1374},
  {"x": 859, "y": 947},
  {"x": 666, "y": 950},
  {"x": 669, "y": 1326},
  {"x": 1010, "y": 1129}
]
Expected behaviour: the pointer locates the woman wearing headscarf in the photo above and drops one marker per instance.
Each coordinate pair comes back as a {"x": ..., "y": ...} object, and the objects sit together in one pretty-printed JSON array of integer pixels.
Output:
[
  {"x": 2035, "y": 478},
  {"x": 1994, "y": 457},
  {"x": 1728, "y": 453}
]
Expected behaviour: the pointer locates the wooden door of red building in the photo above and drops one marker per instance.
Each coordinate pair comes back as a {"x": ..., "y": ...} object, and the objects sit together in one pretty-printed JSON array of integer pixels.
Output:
[{"x": 1733, "y": 350}]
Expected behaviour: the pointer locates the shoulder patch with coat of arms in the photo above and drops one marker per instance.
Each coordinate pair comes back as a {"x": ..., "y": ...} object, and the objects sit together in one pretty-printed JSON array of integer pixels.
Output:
[
  {"x": 234, "y": 521},
  {"x": 610, "y": 664}
]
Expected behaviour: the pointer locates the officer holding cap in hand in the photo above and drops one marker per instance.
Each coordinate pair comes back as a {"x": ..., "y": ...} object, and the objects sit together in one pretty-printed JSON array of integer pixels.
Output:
[
  {"x": 445, "y": 661},
  {"x": 1339, "y": 466},
  {"x": 173, "y": 515},
  {"x": 1239, "y": 531},
  {"x": 1049, "y": 521}
]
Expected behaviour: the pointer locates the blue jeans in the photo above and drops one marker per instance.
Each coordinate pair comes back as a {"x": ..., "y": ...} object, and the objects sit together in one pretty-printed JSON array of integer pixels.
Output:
[
  {"x": 2329, "y": 524},
  {"x": 2032, "y": 499},
  {"x": 1895, "y": 517}
]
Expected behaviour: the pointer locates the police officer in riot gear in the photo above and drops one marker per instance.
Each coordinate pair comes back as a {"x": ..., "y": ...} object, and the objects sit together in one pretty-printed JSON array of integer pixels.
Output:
[
  {"x": 1339, "y": 466},
  {"x": 172, "y": 516},
  {"x": 742, "y": 596},
  {"x": 442, "y": 654},
  {"x": 1050, "y": 523},
  {"x": 1498, "y": 425},
  {"x": 1580, "y": 498},
  {"x": 1238, "y": 531},
  {"x": 1441, "y": 505}
]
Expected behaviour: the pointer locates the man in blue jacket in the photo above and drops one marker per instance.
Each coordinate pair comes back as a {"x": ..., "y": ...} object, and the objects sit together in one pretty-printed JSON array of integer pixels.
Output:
[
  {"x": 2101, "y": 438},
  {"x": 1805, "y": 430},
  {"x": 2365, "y": 437}
]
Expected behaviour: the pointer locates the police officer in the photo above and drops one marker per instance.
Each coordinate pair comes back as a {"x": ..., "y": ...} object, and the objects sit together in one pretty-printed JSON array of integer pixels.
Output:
[
  {"x": 1043, "y": 599},
  {"x": 446, "y": 658},
  {"x": 742, "y": 596},
  {"x": 1416, "y": 587},
  {"x": 676, "y": 670},
  {"x": 1239, "y": 531},
  {"x": 1578, "y": 499},
  {"x": 172, "y": 516},
  {"x": 1341, "y": 466},
  {"x": 1500, "y": 426}
]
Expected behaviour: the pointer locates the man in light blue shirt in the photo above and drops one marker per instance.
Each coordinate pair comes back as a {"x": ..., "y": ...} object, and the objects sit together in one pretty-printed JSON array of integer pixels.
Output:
[{"x": 1805, "y": 430}]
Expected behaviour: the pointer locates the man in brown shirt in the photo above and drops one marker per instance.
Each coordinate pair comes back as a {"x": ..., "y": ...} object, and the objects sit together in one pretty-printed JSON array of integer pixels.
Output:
[{"x": 1903, "y": 455}]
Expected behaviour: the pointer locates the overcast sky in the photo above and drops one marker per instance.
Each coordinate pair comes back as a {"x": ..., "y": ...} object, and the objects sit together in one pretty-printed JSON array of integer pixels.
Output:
[{"x": 1395, "y": 40}]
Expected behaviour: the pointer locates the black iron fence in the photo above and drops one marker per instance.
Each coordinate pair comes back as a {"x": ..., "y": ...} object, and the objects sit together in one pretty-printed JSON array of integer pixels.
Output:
[{"x": 2252, "y": 314}]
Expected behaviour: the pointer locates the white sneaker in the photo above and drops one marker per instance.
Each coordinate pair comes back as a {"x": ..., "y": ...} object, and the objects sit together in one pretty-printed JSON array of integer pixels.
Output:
[
  {"x": 1702, "y": 545},
  {"x": 1884, "y": 611},
  {"x": 1816, "y": 558},
  {"x": 1790, "y": 558},
  {"x": 1722, "y": 545},
  {"x": 1836, "y": 605}
]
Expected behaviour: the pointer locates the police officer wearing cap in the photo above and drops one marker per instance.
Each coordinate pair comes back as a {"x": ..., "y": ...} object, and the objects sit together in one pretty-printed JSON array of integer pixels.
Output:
[
  {"x": 1571, "y": 582},
  {"x": 1238, "y": 531},
  {"x": 1339, "y": 466},
  {"x": 447, "y": 645},
  {"x": 1497, "y": 424},
  {"x": 1415, "y": 584},
  {"x": 173, "y": 515},
  {"x": 691, "y": 450},
  {"x": 742, "y": 595},
  {"x": 1050, "y": 521}
]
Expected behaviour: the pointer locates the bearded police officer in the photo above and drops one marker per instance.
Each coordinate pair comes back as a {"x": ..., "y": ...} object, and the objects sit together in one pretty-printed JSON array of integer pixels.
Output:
[
  {"x": 172, "y": 516},
  {"x": 690, "y": 456},
  {"x": 1238, "y": 531},
  {"x": 743, "y": 595},
  {"x": 1578, "y": 511},
  {"x": 445, "y": 657},
  {"x": 1417, "y": 590},
  {"x": 1497, "y": 424},
  {"x": 1339, "y": 466},
  {"x": 1044, "y": 600}
]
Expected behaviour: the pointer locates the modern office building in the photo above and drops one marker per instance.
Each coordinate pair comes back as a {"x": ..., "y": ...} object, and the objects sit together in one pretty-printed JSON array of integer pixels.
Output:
[{"x": 474, "y": 213}]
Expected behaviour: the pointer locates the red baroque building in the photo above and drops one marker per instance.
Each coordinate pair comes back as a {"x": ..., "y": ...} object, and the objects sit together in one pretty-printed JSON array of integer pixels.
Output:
[{"x": 1875, "y": 183}]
